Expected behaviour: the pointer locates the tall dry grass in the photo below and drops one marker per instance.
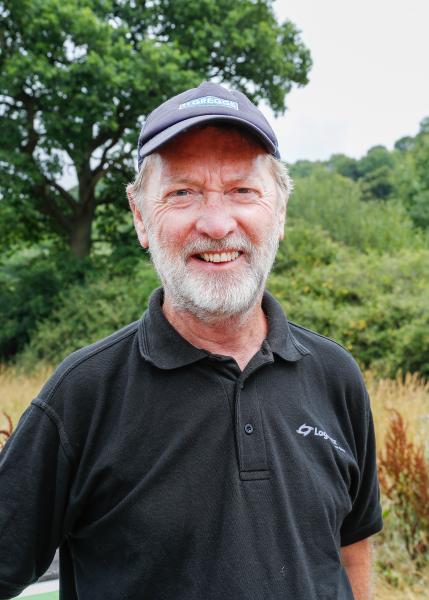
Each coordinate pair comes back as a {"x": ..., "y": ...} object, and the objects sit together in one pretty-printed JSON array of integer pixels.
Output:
[
  {"x": 17, "y": 389},
  {"x": 398, "y": 578},
  {"x": 409, "y": 395}
]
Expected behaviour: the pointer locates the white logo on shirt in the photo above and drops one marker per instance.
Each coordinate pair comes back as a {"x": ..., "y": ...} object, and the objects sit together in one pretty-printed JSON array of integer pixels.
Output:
[{"x": 307, "y": 429}]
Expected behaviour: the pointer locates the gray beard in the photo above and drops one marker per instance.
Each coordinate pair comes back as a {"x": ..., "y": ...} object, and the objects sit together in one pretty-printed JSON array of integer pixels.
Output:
[{"x": 216, "y": 296}]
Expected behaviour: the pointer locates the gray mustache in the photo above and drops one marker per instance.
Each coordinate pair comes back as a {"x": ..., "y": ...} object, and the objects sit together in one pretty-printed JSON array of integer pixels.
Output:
[{"x": 239, "y": 243}]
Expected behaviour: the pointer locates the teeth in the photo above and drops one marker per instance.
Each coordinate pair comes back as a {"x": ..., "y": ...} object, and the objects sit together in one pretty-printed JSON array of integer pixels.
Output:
[{"x": 221, "y": 257}]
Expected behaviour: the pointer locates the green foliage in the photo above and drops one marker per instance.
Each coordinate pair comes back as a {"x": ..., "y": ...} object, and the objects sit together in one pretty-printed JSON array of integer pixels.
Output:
[
  {"x": 29, "y": 289},
  {"x": 86, "y": 313},
  {"x": 373, "y": 301},
  {"x": 334, "y": 203},
  {"x": 374, "y": 304},
  {"x": 412, "y": 177},
  {"x": 377, "y": 184},
  {"x": 402, "y": 174},
  {"x": 344, "y": 165},
  {"x": 374, "y": 171},
  {"x": 376, "y": 158},
  {"x": 77, "y": 78}
]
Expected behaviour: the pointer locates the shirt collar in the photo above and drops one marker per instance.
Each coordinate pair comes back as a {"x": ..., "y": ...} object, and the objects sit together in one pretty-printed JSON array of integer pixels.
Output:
[
  {"x": 164, "y": 347},
  {"x": 280, "y": 337}
]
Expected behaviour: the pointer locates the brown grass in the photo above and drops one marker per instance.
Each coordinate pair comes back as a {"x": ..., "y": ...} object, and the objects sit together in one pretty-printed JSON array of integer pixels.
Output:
[
  {"x": 18, "y": 389},
  {"x": 414, "y": 591},
  {"x": 410, "y": 396}
]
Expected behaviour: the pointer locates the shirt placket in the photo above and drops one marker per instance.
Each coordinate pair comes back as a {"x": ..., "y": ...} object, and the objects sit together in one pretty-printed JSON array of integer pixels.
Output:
[{"x": 251, "y": 443}]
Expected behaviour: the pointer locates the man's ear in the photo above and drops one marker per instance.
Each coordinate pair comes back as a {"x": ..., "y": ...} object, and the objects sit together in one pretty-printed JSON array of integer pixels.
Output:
[{"x": 138, "y": 219}]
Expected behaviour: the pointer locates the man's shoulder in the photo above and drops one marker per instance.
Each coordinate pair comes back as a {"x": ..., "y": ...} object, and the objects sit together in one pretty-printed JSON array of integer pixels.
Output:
[
  {"x": 317, "y": 341},
  {"x": 327, "y": 353},
  {"x": 92, "y": 363}
]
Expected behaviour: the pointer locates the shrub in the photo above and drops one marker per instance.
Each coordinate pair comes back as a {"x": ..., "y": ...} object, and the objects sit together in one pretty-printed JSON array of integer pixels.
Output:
[
  {"x": 29, "y": 288},
  {"x": 333, "y": 202},
  {"x": 375, "y": 305},
  {"x": 86, "y": 313}
]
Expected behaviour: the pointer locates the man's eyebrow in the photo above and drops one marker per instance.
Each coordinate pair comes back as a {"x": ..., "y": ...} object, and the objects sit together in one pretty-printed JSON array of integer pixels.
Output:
[
  {"x": 243, "y": 177},
  {"x": 179, "y": 180},
  {"x": 188, "y": 180}
]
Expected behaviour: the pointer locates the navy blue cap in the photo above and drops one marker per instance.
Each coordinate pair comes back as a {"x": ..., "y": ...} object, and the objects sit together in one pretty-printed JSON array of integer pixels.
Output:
[{"x": 205, "y": 103}]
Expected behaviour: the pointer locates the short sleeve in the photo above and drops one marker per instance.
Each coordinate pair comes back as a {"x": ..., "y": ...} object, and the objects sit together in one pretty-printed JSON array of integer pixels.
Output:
[
  {"x": 34, "y": 480},
  {"x": 365, "y": 517}
]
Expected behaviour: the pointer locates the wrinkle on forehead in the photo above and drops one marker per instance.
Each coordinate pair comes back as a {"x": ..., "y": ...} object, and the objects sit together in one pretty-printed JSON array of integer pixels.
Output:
[
  {"x": 211, "y": 153},
  {"x": 219, "y": 141},
  {"x": 211, "y": 169}
]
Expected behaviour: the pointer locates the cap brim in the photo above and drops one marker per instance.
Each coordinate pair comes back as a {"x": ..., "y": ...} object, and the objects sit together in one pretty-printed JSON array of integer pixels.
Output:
[{"x": 165, "y": 136}]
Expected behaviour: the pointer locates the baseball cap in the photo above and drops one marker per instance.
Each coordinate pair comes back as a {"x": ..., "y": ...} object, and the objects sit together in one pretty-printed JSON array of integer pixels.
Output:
[{"x": 206, "y": 103}]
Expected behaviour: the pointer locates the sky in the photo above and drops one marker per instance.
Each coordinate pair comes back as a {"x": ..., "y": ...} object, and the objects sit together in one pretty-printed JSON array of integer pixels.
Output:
[{"x": 369, "y": 83}]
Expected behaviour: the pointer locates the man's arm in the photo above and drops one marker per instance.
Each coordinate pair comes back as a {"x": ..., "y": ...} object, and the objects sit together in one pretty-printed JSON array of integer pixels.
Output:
[
  {"x": 357, "y": 561},
  {"x": 34, "y": 484}
]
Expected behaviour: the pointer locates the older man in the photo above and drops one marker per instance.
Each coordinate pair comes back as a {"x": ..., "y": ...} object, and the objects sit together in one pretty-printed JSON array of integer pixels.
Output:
[{"x": 212, "y": 450}]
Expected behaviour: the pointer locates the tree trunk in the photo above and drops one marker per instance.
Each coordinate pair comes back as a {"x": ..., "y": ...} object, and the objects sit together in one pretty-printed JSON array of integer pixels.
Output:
[{"x": 80, "y": 236}]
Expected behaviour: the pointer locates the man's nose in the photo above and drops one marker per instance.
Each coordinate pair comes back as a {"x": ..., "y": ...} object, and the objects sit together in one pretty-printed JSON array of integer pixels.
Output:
[{"x": 215, "y": 219}]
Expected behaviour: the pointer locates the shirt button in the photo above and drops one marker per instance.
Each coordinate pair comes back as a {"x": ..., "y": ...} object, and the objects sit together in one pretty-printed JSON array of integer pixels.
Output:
[{"x": 248, "y": 428}]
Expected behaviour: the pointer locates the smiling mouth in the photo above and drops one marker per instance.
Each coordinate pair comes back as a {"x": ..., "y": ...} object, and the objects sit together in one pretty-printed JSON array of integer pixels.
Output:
[{"x": 219, "y": 257}]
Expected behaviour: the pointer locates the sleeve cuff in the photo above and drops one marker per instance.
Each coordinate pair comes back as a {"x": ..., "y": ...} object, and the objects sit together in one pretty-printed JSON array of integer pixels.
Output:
[{"x": 362, "y": 533}]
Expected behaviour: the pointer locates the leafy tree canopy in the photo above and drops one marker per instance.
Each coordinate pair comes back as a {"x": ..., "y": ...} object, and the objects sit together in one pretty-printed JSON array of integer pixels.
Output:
[
  {"x": 412, "y": 177},
  {"x": 78, "y": 76},
  {"x": 400, "y": 174}
]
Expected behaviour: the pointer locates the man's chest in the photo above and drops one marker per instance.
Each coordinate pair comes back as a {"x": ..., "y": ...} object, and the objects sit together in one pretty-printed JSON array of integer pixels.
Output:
[{"x": 207, "y": 446}]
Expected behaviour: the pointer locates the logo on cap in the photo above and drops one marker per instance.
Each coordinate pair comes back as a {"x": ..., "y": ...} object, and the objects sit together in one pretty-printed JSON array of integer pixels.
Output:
[{"x": 209, "y": 101}]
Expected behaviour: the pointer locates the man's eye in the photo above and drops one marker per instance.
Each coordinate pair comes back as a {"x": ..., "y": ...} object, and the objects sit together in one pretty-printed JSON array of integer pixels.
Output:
[
  {"x": 180, "y": 193},
  {"x": 244, "y": 190}
]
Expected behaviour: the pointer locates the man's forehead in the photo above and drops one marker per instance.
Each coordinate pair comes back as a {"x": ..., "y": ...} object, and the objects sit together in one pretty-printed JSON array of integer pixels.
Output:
[
  {"x": 178, "y": 176},
  {"x": 242, "y": 167},
  {"x": 212, "y": 140}
]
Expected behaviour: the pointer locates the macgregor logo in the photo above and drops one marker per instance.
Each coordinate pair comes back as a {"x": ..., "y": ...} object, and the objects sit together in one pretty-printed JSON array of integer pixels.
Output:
[
  {"x": 305, "y": 430},
  {"x": 210, "y": 101}
]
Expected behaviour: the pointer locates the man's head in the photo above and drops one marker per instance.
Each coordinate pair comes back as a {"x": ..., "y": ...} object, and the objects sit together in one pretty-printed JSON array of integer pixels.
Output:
[{"x": 210, "y": 205}]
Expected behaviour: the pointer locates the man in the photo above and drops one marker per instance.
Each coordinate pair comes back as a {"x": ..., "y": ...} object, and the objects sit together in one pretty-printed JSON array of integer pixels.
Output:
[{"x": 211, "y": 450}]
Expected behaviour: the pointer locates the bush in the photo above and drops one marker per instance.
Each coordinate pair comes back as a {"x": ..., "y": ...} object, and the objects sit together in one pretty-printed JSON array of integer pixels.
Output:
[
  {"x": 375, "y": 305},
  {"x": 334, "y": 203},
  {"x": 29, "y": 288},
  {"x": 86, "y": 313}
]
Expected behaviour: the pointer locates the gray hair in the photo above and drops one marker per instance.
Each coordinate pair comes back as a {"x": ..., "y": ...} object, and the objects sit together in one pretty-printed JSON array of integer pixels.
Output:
[{"x": 278, "y": 169}]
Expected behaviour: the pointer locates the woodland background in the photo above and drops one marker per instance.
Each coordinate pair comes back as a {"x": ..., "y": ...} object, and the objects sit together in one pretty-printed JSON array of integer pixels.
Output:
[{"x": 76, "y": 81}]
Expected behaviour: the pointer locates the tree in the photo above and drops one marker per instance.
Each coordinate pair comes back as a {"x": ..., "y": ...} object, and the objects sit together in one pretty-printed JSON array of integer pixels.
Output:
[
  {"x": 375, "y": 158},
  {"x": 344, "y": 165},
  {"x": 377, "y": 184},
  {"x": 404, "y": 143},
  {"x": 412, "y": 177},
  {"x": 78, "y": 76}
]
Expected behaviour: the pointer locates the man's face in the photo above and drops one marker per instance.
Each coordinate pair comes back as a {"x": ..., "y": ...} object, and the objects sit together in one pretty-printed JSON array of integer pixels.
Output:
[{"x": 212, "y": 221}]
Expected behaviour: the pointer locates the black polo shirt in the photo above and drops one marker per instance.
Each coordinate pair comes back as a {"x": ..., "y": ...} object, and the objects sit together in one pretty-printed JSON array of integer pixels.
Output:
[{"x": 163, "y": 472}]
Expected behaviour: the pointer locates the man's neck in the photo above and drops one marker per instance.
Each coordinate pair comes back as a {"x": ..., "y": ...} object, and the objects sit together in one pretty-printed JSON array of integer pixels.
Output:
[{"x": 239, "y": 336}]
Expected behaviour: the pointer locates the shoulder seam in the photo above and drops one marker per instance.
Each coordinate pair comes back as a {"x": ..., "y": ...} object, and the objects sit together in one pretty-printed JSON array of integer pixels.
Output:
[
  {"x": 90, "y": 355},
  {"x": 324, "y": 337},
  {"x": 54, "y": 418}
]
